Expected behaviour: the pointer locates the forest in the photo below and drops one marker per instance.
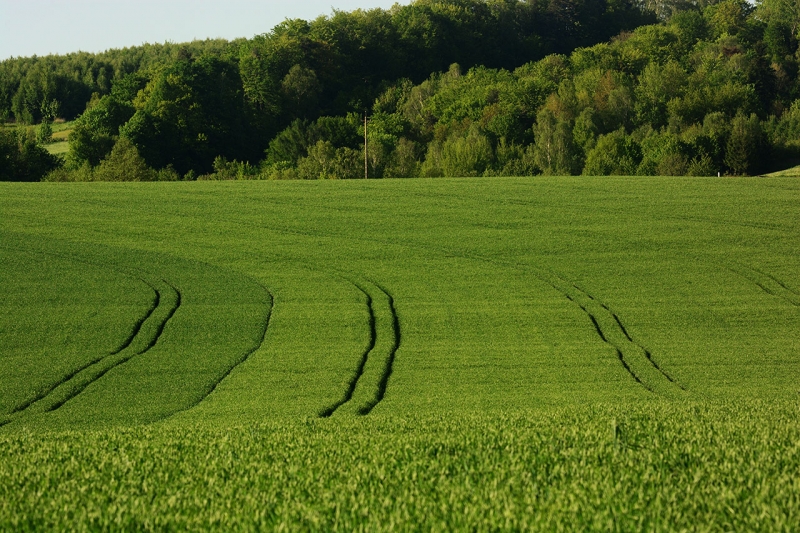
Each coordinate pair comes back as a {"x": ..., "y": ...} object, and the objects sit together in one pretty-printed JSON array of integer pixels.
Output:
[{"x": 447, "y": 88}]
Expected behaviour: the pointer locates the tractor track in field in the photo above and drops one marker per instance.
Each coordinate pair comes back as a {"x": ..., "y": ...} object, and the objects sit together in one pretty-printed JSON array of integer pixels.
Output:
[
  {"x": 766, "y": 282},
  {"x": 95, "y": 374},
  {"x": 626, "y": 348},
  {"x": 54, "y": 386},
  {"x": 138, "y": 325},
  {"x": 369, "y": 356},
  {"x": 78, "y": 380},
  {"x": 647, "y": 353},
  {"x": 389, "y": 366},
  {"x": 244, "y": 357},
  {"x": 125, "y": 343},
  {"x": 609, "y": 328},
  {"x": 362, "y": 363},
  {"x": 637, "y": 360},
  {"x": 143, "y": 336}
]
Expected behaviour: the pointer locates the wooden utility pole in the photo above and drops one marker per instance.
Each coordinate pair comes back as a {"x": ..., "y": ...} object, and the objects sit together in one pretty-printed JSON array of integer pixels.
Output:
[{"x": 366, "y": 172}]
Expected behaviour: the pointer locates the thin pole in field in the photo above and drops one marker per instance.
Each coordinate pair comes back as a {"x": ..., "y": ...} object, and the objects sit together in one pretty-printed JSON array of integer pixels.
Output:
[{"x": 366, "y": 175}]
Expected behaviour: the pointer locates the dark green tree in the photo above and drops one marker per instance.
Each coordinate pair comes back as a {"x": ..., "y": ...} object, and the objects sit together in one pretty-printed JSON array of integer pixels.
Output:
[
  {"x": 22, "y": 158},
  {"x": 192, "y": 112},
  {"x": 301, "y": 89},
  {"x": 96, "y": 131},
  {"x": 747, "y": 147}
]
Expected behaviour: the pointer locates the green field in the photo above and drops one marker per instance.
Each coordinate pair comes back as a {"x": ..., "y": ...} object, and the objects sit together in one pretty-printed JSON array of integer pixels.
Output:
[
  {"x": 60, "y": 144},
  {"x": 546, "y": 353},
  {"x": 60, "y": 140}
]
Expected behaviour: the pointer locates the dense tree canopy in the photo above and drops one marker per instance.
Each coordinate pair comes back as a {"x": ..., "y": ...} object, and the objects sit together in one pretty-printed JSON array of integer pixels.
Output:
[
  {"x": 452, "y": 87},
  {"x": 21, "y": 158}
]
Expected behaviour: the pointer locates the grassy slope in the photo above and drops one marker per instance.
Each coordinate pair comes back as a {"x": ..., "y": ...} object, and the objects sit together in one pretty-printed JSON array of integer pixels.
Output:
[
  {"x": 60, "y": 142},
  {"x": 480, "y": 271},
  {"x": 504, "y": 291},
  {"x": 54, "y": 320},
  {"x": 787, "y": 173}
]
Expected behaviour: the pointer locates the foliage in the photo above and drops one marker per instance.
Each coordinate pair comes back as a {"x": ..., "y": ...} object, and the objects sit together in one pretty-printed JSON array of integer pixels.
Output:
[
  {"x": 301, "y": 88},
  {"x": 231, "y": 170},
  {"x": 438, "y": 79},
  {"x": 555, "y": 152},
  {"x": 462, "y": 154},
  {"x": 198, "y": 101},
  {"x": 97, "y": 129},
  {"x": 665, "y": 154},
  {"x": 124, "y": 164},
  {"x": 28, "y": 86},
  {"x": 658, "y": 82},
  {"x": 189, "y": 114},
  {"x": 746, "y": 146},
  {"x": 325, "y": 161},
  {"x": 615, "y": 154},
  {"x": 22, "y": 158},
  {"x": 44, "y": 133}
]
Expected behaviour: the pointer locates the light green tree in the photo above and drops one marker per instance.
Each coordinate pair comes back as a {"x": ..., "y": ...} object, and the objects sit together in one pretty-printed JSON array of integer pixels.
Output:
[
  {"x": 468, "y": 155},
  {"x": 555, "y": 152},
  {"x": 124, "y": 164},
  {"x": 616, "y": 154}
]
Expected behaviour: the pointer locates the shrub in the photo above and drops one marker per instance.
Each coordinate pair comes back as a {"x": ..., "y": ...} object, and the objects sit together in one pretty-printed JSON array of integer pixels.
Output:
[
  {"x": 615, "y": 154},
  {"x": 124, "y": 164}
]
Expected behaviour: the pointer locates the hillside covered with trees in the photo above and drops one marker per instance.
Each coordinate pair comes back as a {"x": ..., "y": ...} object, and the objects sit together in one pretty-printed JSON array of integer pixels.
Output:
[{"x": 451, "y": 88}]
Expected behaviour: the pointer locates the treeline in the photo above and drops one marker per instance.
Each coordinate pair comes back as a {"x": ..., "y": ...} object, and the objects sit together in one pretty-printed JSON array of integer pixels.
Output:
[
  {"x": 352, "y": 54},
  {"x": 33, "y": 89},
  {"x": 519, "y": 88},
  {"x": 184, "y": 105},
  {"x": 708, "y": 91}
]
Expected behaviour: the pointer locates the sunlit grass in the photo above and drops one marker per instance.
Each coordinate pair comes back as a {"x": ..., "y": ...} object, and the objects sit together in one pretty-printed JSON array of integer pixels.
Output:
[{"x": 545, "y": 353}]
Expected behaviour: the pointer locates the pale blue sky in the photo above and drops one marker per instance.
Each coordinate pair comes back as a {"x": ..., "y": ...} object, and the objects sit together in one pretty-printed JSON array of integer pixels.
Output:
[{"x": 42, "y": 27}]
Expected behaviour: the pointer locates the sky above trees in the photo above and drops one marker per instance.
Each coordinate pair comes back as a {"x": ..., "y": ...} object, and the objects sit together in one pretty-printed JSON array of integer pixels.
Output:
[{"x": 44, "y": 27}]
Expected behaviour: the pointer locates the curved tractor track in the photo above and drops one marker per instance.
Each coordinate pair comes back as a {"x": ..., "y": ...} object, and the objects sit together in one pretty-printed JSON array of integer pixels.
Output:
[
  {"x": 144, "y": 336},
  {"x": 367, "y": 386},
  {"x": 634, "y": 357},
  {"x": 766, "y": 282},
  {"x": 202, "y": 362}
]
